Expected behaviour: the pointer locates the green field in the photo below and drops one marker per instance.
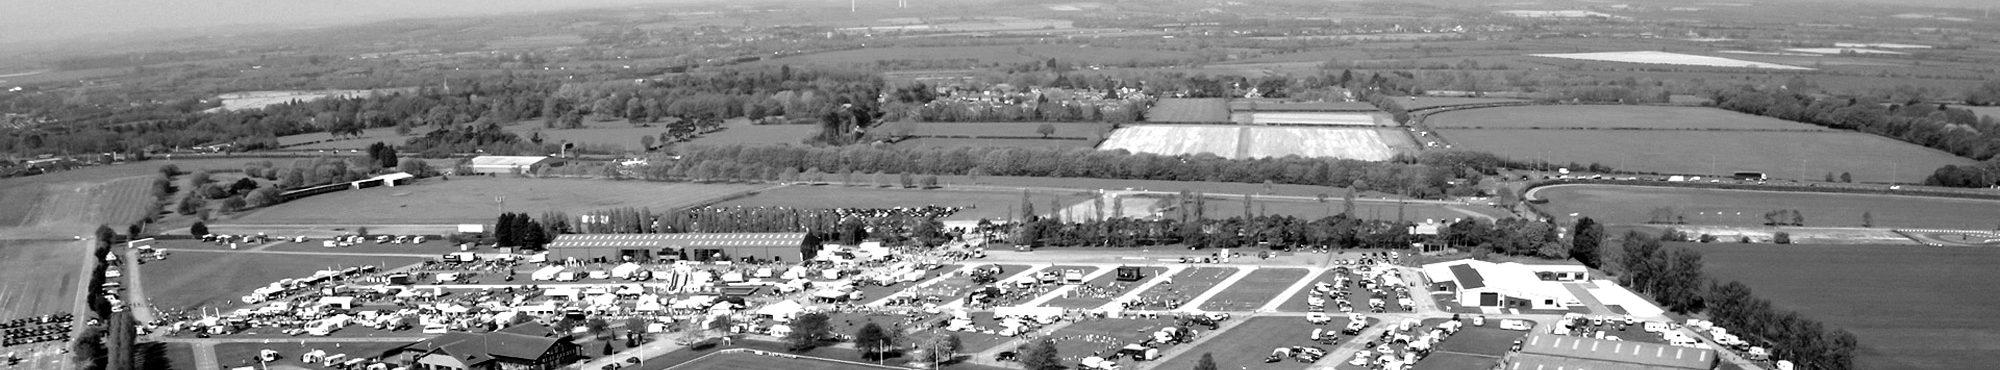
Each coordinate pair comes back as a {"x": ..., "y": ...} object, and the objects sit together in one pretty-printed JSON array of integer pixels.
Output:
[
  {"x": 1423, "y": 102},
  {"x": 748, "y": 361},
  {"x": 1245, "y": 345},
  {"x": 983, "y": 55},
  {"x": 1616, "y": 204},
  {"x": 992, "y": 205},
  {"x": 1184, "y": 286},
  {"x": 925, "y": 142},
  {"x": 468, "y": 199},
  {"x": 740, "y": 131},
  {"x": 245, "y": 354},
  {"x": 1255, "y": 290},
  {"x": 1610, "y": 116},
  {"x": 617, "y": 134},
  {"x": 1911, "y": 306},
  {"x": 189, "y": 279},
  {"x": 1209, "y": 110},
  {"x": 39, "y": 277},
  {"x": 1092, "y": 131},
  {"x": 1782, "y": 155},
  {"x": 1106, "y": 288}
]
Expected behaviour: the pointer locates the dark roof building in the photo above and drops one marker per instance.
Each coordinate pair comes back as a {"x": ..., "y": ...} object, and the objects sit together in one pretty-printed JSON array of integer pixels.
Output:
[
  {"x": 1542, "y": 351},
  {"x": 687, "y": 246},
  {"x": 507, "y": 349}
]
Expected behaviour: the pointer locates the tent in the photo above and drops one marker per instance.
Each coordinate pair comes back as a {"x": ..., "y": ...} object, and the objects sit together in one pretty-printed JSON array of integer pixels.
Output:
[
  {"x": 625, "y": 270},
  {"x": 782, "y": 311},
  {"x": 1037, "y": 313},
  {"x": 546, "y": 273}
]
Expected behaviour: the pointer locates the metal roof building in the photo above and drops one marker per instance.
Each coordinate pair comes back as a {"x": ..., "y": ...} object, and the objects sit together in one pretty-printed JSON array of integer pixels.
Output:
[
  {"x": 689, "y": 246},
  {"x": 508, "y": 164},
  {"x": 1543, "y": 351}
]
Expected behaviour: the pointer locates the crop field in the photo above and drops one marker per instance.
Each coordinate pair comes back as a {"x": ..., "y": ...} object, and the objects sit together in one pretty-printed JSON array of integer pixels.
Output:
[
  {"x": 1660, "y": 57},
  {"x": 1188, "y": 110},
  {"x": 1246, "y": 344},
  {"x": 931, "y": 142},
  {"x": 1910, "y": 306},
  {"x": 975, "y": 205},
  {"x": 1310, "y": 118},
  {"x": 1259, "y": 142},
  {"x": 1182, "y": 287},
  {"x": 1423, "y": 102},
  {"x": 261, "y": 99},
  {"x": 39, "y": 277},
  {"x": 1783, "y": 155},
  {"x": 1255, "y": 290},
  {"x": 1611, "y": 116},
  {"x": 189, "y": 279},
  {"x": 1634, "y": 204},
  {"x": 475, "y": 199},
  {"x": 737, "y": 131},
  {"x": 982, "y": 54},
  {"x": 1010, "y": 129},
  {"x": 1101, "y": 290}
]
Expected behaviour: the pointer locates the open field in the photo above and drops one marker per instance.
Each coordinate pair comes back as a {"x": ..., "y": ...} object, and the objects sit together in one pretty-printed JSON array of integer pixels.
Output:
[
  {"x": 739, "y": 131},
  {"x": 261, "y": 99},
  {"x": 1367, "y": 210},
  {"x": 1010, "y": 129},
  {"x": 478, "y": 199},
  {"x": 1188, "y": 110},
  {"x": 952, "y": 143},
  {"x": 1258, "y": 142},
  {"x": 1616, "y": 204},
  {"x": 190, "y": 279},
  {"x": 1422, "y": 102},
  {"x": 981, "y": 55},
  {"x": 977, "y": 204},
  {"x": 1310, "y": 118},
  {"x": 39, "y": 277},
  {"x": 1251, "y": 293},
  {"x": 1246, "y": 344},
  {"x": 1660, "y": 57},
  {"x": 1610, "y": 116},
  {"x": 1909, "y": 306},
  {"x": 1082, "y": 338},
  {"x": 1782, "y": 155},
  {"x": 245, "y": 354},
  {"x": 618, "y": 134},
  {"x": 1181, "y": 287}
]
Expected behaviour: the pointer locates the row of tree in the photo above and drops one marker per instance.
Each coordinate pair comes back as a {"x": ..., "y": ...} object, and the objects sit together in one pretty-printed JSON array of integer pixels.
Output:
[
  {"x": 1673, "y": 277},
  {"x": 1955, "y": 130}
]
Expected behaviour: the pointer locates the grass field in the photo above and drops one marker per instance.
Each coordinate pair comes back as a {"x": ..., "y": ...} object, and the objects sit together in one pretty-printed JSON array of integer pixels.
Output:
[
  {"x": 740, "y": 131},
  {"x": 1911, "y": 307},
  {"x": 217, "y": 279},
  {"x": 982, "y": 54},
  {"x": 1659, "y": 57},
  {"x": 1783, "y": 155},
  {"x": 1310, "y": 118},
  {"x": 1101, "y": 290},
  {"x": 1245, "y": 345},
  {"x": 245, "y": 354},
  {"x": 1610, "y": 116},
  {"x": 1255, "y": 290},
  {"x": 467, "y": 199},
  {"x": 1082, "y": 338},
  {"x": 1184, "y": 286},
  {"x": 951, "y": 143},
  {"x": 1209, "y": 110},
  {"x": 617, "y": 133},
  {"x": 1368, "y": 210},
  {"x": 1258, "y": 142},
  {"x": 1090, "y": 131},
  {"x": 1423, "y": 102},
  {"x": 39, "y": 277},
  {"x": 1633, "y": 205},
  {"x": 977, "y": 204}
]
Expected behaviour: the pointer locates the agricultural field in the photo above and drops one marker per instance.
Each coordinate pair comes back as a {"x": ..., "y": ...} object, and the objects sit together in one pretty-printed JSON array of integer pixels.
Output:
[
  {"x": 1610, "y": 117},
  {"x": 189, "y": 279},
  {"x": 1660, "y": 57},
  {"x": 1427, "y": 102},
  {"x": 471, "y": 199},
  {"x": 1311, "y": 119},
  {"x": 1210, "y": 110},
  {"x": 1255, "y": 290},
  {"x": 927, "y": 142},
  {"x": 982, "y": 55},
  {"x": 1259, "y": 142},
  {"x": 975, "y": 205},
  {"x": 261, "y": 99},
  {"x": 1010, "y": 130},
  {"x": 614, "y": 135},
  {"x": 1783, "y": 155},
  {"x": 1246, "y": 344},
  {"x": 40, "y": 277},
  {"x": 1909, "y": 306},
  {"x": 1616, "y": 204},
  {"x": 734, "y": 131}
]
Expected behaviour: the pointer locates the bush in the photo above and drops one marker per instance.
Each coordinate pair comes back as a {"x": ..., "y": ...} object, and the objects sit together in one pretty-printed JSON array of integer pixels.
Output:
[{"x": 1781, "y": 238}]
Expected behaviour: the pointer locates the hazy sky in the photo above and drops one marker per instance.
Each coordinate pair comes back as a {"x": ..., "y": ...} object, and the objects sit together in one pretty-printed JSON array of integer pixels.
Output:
[{"x": 43, "y": 20}]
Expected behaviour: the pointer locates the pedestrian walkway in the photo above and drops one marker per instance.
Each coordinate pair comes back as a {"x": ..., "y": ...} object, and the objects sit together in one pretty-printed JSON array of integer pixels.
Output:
[{"x": 1241, "y": 272}]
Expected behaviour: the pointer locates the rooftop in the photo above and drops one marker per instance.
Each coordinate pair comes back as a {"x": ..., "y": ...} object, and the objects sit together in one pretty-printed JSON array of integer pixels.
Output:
[
  {"x": 1592, "y": 353},
  {"x": 681, "y": 240}
]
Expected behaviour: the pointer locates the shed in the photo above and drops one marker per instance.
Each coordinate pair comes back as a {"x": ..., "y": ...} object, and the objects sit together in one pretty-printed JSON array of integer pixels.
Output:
[{"x": 497, "y": 164}]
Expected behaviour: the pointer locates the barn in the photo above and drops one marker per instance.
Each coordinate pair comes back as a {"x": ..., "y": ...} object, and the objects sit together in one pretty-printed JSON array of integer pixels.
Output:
[
  {"x": 496, "y": 164},
  {"x": 1478, "y": 283},
  {"x": 782, "y": 247}
]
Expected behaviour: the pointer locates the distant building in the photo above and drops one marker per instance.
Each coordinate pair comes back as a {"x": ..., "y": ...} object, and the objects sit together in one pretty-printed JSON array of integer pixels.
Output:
[
  {"x": 521, "y": 347},
  {"x": 1478, "y": 283},
  {"x": 783, "y": 247},
  {"x": 486, "y": 164},
  {"x": 1543, "y": 351}
]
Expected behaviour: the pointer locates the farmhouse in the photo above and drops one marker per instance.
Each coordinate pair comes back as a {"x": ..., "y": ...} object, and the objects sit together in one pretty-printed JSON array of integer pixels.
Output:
[
  {"x": 1550, "y": 351},
  {"x": 1486, "y": 284},
  {"x": 513, "y": 348},
  {"x": 486, "y": 164},
  {"x": 690, "y": 247}
]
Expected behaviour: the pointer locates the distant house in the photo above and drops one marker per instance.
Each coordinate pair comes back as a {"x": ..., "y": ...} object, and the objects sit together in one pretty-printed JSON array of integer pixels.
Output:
[
  {"x": 521, "y": 347},
  {"x": 486, "y": 164}
]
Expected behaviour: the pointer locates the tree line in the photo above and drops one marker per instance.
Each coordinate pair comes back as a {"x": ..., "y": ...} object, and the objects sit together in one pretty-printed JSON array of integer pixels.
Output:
[
  {"x": 1673, "y": 277},
  {"x": 1955, "y": 130}
]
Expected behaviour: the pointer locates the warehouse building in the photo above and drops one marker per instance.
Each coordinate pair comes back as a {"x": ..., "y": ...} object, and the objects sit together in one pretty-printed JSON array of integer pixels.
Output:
[
  {"x": 1543, "y": 351},
  {"x": 783, "y": 247},
  {"x": 500, "y": 164},
  {"x": 1478, "y": 283}
]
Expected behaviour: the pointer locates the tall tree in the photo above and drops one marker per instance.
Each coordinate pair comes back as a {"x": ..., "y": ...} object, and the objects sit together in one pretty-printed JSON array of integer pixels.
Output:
[
  {"x": 942, "y": 348},
  {"x": 1207, "y": 362},
  {"x": 1585, "y": 239},
  {"x": 807, "y": 330},
  {"x": 871, "y": 340},
  {"x": 120, "y": 341},
  {"x": 1041, "y": 355}
]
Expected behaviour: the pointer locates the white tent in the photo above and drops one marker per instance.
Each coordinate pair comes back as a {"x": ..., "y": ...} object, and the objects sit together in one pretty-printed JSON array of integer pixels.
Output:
[
  {"x": 624, "y": 270},
  {"x": 546, "y": 273},
  {"x": 782, "y": 310}
]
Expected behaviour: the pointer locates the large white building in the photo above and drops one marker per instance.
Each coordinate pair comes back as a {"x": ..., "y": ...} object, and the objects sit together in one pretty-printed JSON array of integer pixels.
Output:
[
  {"x": 486, "y": 164},
  {"x": 1507, "y": 285}
]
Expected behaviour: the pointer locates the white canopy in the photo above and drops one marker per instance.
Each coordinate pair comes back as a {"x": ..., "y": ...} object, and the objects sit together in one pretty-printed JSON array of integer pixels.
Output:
[
  {"x": 783, "y": 310},
  {"x": 624, "y": 270}
]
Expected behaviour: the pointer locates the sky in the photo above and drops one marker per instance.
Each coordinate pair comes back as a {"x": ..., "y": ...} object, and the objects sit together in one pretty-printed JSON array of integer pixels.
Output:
[{"x": 47, "y": 20}]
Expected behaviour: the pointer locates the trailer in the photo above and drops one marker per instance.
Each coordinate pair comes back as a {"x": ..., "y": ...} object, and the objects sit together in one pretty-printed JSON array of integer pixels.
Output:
[{"x": 546, "y": 273}]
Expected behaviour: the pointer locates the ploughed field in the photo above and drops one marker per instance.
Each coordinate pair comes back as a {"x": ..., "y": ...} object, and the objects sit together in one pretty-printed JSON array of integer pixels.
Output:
[
  {"x": 1620, "y": 204},
  {"x": 1911, "y": 307},
  {"x": 1373, "y": 144}
]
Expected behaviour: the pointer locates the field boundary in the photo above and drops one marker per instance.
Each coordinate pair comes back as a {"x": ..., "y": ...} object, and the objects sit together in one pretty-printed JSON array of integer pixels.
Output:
[{"x": 1529, "y": 193}]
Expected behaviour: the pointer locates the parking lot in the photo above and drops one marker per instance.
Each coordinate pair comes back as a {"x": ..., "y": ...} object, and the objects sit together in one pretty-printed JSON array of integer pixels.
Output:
[{"x": 1249, "y": 342}]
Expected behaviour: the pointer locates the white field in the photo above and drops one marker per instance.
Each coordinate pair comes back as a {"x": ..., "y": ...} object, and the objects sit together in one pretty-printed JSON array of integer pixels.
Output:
[
  {"x": 1660, "y": 57},
  {"x": 1845, "y": 50},
  {"x": 1879, "y": 45},
  {"x": 1313, "y": 118},
  {"x": 261, "y": 99},
  {"x": 1370, "y": 144}
]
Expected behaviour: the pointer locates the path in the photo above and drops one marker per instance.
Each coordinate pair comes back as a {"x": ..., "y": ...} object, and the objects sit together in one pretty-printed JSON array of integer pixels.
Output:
[
  {"x": 1241, "y": 272},
  {"x": 135, "y": 288}
]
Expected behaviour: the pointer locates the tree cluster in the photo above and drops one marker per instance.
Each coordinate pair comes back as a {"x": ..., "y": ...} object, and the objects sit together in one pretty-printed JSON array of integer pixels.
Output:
[
  {"x": 518, "y": 230},
  {"x": 1955, "y": 130},
  {"x": 1784, "y": 217},
  {"x": 1672, "y": 276},
  {"x": 1806, "y": 342}
]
